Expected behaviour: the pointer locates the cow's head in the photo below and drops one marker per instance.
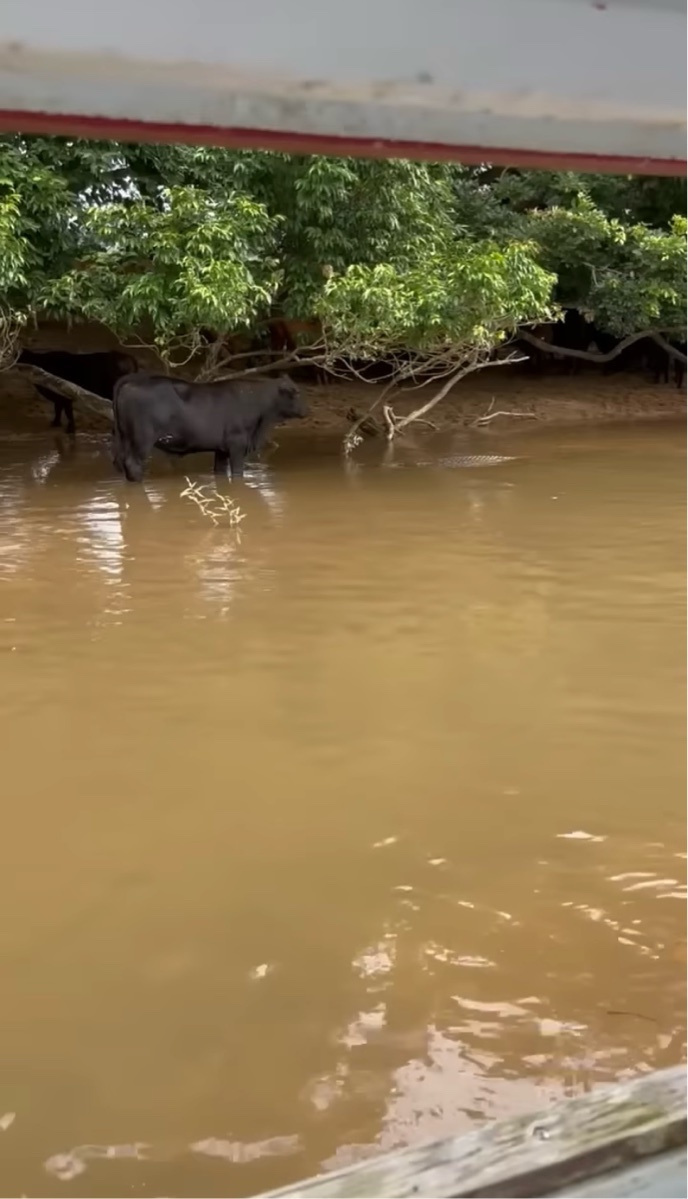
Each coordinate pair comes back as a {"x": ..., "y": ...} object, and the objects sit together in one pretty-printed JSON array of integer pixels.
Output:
[{"x": 290, "y": 403}]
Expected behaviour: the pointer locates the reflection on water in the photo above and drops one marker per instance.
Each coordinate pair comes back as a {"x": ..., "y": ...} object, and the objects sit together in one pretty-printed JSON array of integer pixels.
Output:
[{"x": 362, "y": 828}]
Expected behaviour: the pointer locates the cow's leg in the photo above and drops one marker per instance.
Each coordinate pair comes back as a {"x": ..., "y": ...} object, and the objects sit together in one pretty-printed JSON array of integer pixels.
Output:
[
  {"x": 137, "y": 447},
  {"x": 56, "y": 400},
  {"x": 127, "y": 458},
  {"x": 221, "y": 464},
  {"x": 661, "y": 368},
  {"x": 117, "y": 453},
  {"x": 68, "y": 409},
  {"x": 237, "y": 455},
  {"x": 133, "y": 468}
]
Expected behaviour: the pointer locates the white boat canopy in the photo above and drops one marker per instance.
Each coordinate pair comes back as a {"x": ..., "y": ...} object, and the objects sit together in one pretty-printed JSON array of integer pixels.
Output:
[{"x": 585, "y": 84}]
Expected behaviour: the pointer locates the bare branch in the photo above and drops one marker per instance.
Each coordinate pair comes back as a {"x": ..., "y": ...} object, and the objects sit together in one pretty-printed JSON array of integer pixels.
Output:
[
  {"x": 485, "y": 420},
  {"x": 10, "y": 331},
  {"x": 365, "y": 423},
  {"x": 296, "y": 358},
  {"x": 72, "y": 391},
  {"x": 351, "y": 439},
  {"x": 390, "y": 420},
  {"x": 137, "y": 344},
  {"x": 215, "y": 506},
  {"x": 595, "y": 356},
  {"x": 464, "y": 369},
  {"x": 451, "y": 364},
  {"x": 212, "y": 361}
]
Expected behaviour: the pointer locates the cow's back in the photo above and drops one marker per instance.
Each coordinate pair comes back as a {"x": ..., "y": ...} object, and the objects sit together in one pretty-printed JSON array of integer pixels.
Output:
[
  {"x": 143, "y": 403},
  {"x": 97, "y": 372}
]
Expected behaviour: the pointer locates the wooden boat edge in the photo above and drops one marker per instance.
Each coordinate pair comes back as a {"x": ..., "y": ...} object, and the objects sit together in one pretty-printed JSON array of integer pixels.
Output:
[{"x": 608, "y": 1130}]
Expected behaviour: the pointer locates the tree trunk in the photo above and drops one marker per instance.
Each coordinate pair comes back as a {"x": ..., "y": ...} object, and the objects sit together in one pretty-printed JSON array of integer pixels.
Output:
[{"x": 72, "y": 391}]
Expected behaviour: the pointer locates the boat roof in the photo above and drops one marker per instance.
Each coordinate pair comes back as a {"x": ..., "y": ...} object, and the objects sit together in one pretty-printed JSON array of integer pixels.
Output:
[{"x": 580, "y": 84}]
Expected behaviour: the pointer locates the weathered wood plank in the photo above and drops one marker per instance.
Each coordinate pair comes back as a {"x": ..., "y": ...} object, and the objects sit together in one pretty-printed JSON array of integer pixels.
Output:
[
  {"x": 662, "y": 1174},
  {"x": 608, "y": 1130}
]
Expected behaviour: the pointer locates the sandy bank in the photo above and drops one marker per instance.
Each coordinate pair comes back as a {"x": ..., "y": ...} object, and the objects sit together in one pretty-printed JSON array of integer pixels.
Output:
[
  {"x": 552, "y": 400},
  {"x": 588, "y": 398}
]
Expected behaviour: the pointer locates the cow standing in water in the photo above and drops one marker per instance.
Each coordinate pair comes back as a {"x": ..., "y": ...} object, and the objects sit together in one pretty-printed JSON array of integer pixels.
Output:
[
  {"x": 95, "y": 372},
  {"x": 229, "y": 419},
  {"x": 663, "y": 366}
]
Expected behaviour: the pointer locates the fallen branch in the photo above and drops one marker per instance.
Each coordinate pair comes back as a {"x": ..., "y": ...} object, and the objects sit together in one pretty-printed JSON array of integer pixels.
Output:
[
  {"x": 485, "y": 420},
  {"x": 214, "y": 506},
  {"x": 352, "y": 439},
  {"x": 459, "y": 374},
  {"x": 429, "y": 423},
  {"x": 365, "y": 423},
  {"x": 395, "y": 424},
  {"x": 390, "y": 419},
  {"x": 72, "y": 391}
]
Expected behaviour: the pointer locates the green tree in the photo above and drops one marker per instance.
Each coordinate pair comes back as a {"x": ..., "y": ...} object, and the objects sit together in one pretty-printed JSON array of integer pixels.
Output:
[
  {"x": 431, "y": 267},
  {"x": 617, "y": 245},
  {"x": 175, "y": 267}
]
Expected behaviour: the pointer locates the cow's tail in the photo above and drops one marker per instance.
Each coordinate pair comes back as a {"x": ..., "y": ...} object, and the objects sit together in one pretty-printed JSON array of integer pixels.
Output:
[
  {"x": 127, "y": 455},
  {"x": 118, "y": 387},
  {"x": 119, "y": 384}
]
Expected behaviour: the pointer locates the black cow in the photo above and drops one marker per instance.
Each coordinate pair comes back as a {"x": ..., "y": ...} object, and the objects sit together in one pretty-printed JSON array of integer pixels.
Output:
[
  {"x": 95, "y": 372},
  {"x": 679, "y": 367},
  {"x": 575, "y": 332},
  {"x": 662, "y": 366},
  {"x": 230, "y": 419}
]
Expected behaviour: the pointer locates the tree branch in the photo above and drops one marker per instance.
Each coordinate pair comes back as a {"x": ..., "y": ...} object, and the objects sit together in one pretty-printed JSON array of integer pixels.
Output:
[
  {"x": 459, "y": 374},
  {"x": 293, "y": 359},
  {"x": 351, "y": 440},
  {"x": 669, "y": 349},
  {"x": 485, "y": 420},
  {"x": 393, "y": 423},
  {"x": 72, "y": 391},
  {"x": 10, "y": 332},
  {"x": 595, "y": 356}
]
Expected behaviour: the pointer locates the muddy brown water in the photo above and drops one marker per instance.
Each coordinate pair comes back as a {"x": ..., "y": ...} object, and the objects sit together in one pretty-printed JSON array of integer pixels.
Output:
[{"x": 365, "y": 828}]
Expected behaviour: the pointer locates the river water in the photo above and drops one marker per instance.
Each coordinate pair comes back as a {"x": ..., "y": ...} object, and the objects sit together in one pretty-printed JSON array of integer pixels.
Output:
[{"x": 363, "y": 828}]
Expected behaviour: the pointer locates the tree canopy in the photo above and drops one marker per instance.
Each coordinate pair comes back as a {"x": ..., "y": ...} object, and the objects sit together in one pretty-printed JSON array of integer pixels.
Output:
[{"x": 174, "y": 244}]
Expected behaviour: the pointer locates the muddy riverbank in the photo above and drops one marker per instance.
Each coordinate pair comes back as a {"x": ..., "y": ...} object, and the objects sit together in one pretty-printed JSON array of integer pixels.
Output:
[
  {"x": 525, "y": 401},
  {"x": 589, "y": 398}
]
